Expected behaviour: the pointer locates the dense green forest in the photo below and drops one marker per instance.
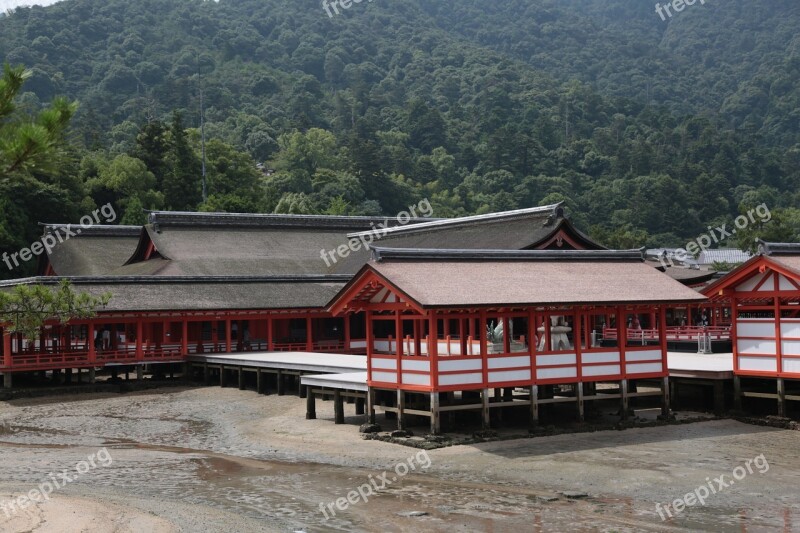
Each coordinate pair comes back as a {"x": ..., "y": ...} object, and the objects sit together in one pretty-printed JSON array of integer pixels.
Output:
[{"x": 649, "y": 130}]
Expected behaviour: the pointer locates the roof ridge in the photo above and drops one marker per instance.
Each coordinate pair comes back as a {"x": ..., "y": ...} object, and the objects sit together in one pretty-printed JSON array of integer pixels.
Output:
[
  {"x": 117, "y": 279},
  {"x": 777, "y": 248},
  {"x": 380, "y": 254},
  {"x": 260, "y": 220},
  {"x": 553, "y": 209}
]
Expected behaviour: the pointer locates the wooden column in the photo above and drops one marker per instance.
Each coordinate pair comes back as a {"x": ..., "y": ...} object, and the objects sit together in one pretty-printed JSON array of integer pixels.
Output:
[
  {"x": 370, "y": 405},
  {"x": 227, "y": 335},
  {"x": 139, "y": 340},
  {"x": 259, "y": 381},
  {"x": 270, "y": 334},
  {"x": 534, "y": 392},
  {"x": 370, "y": 350},
  {"x": 401, "y": 408},
  {"x": 665, "y": 391},
  {"x": 311, "y": 405},
  {"x": 241, "y": 378},
  {"x": 622, "y": 341},
  {"x": 347, "y": 333},
  {"x": 579, "y": 397},
  {"x": 778, "y": 334},
  {"x": 781, "y": 397},
  {"x": 89, "y": 341},
  {"x": 7, "y": 360},
  {"x": 279, "y": 382},
  {"x": 485, "y": 416},
  {"x": 185, "y": 337},
  {"x": 338, "y": 407},
  {"x": 309, "y": 335},
  {"x": 737, "y": 392},
  {"x": 433, "y": 357},
  {"x": 398, "y": 329}
]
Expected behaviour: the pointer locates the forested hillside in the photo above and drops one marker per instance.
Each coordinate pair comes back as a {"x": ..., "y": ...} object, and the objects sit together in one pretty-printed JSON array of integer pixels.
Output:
[{"x": 649, "y": 130}]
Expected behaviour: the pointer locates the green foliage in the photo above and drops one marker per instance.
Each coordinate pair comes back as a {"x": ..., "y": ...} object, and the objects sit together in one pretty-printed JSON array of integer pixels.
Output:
[
  {"x": 648, "y": 131},
  {"x": 27, "y": 308}
]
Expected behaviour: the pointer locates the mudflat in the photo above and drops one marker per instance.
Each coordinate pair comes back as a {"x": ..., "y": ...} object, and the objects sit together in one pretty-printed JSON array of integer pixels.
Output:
[{"x": 228, "y": 460}]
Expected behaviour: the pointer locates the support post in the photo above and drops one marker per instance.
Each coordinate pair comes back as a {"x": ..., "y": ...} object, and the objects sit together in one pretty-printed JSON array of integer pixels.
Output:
[
  {"x": 8, "y": 381},
  {"x": 485, "y": 409},
  {"x": 338, "y": 407},
  {"x": 665, "y": 399},
  {"x": 301, "y": 389},
  {"x": 623, "y": 389},
  {"x": 719, "y": 397},
  {"x": 370, "y": 405},
  {"x": 185, "y": 338},
  {"x": 579, "y": 398},
  {"x": 737, "y": 393},
  {"x": 534, "y": 391},
  {"x": 206, "y": 374},
  {"x": 241, "y": 378},
  {"x": 401, "y": 407},
  {"x": 221, "y": 376},
  {"x": 279, "y": 384},
  {"x": 92, "y": 376},
  {"x": 311, "y": 404},
  {"x": 139, "y": 372},
  {"x": 309, "y": 335},
  {"x": 89, "y": 341},
  {"x": 781, "y": 397},
  {"x": 436, "y": 426},
  {"x": 259, "y": 381},
  {"x": 228, "y": 335}
]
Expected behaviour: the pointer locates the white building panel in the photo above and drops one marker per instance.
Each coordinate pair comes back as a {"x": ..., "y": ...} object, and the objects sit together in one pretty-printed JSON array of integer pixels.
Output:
[
  {"x": 791, "y": 365},
  {"x": 560, "y": 359},
  {"x": 417, "y": 379},
  {"x": 557, "y": 373},
  {"x": 384, "y": 364},
  {"x": 790, "y": 328},
  {"x": 756, "y": 328},
  {"x": 460, "y": 379},
  {"x": 600, "y": 357},
  {"x": 509, "y": 362},
  {"x": 420, "y": 366},
  {"x": 601, "y": 370},
  {"x": 644, "y": 368},
  {"x": 510, "y": 375},
  {"x": 649, "y": 355},
  {"x": 747, "y": 346},
  {"x": 790, "y": 347},
  {"x": 760, "y": 364},
  {"x": 460, "y": 365},
  {"x": 384, "y": 377}
]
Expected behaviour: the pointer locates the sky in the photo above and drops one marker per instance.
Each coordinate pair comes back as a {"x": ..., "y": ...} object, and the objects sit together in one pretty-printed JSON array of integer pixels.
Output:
[{"x": 8, "y": 4}]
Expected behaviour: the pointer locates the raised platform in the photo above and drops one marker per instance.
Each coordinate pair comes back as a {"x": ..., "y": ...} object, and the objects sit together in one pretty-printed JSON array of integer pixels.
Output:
[
  {"x": 356, "y": 381},
  {"x": 306, "y": 362},
  {"x": 714, "y": 366}
]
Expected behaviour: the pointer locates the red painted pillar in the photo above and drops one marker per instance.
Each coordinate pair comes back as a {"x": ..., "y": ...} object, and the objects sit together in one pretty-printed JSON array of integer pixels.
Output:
[
  {"x": 185, "y": 338},
  {"x": 90, "y": 341},
  {"x": 370, "y": 347},
  {"x": 484, "y": 354},
  {"x": 433, "y": 351},
  {"x": 7, "y": 360},
  {"x": 139, "y": 340},
  {"x": 309, "y": 335},
  {"x": 270, "y": 333},
  {"x": 576, "y": 335},
  {"x": 347, "y": 333},
  {"x": 622, "y": 339},
  {"x": 398, "y": 329},
  {"x": 227, "y": 335}
]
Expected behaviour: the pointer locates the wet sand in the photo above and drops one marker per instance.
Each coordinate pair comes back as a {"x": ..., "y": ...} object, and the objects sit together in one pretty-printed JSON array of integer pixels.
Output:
[{"x": 228, "y": 460}]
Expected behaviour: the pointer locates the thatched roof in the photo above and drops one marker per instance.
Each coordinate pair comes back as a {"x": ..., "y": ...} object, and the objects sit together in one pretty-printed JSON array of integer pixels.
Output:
[{"x": 93, "y": 251}]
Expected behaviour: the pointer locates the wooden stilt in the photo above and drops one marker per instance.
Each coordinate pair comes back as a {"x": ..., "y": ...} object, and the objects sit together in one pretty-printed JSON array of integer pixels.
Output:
[
  {"x": 737, "y": 393},
  {"x": 311, "y": 405},
  {"x": 485, "y": 410},
  {"x": 719, "y": 397},
  {"x": 371, "y": 405},
  {"x": 279, "y": 384},
  {"x": 436, "y": 427},
  {"x": 665, "y": 399},
  {"x": 241, "y": 378},
  {"x": 401, "y": 407},
  {"x": 534, "y": 392},
  {"x": 221, "y": 376},
  {"x": 623, "y": 388},
  {"x": 338, "y": 407},
  {"x": 139, "y": 372},
  {"x": 301, "y": 390},
  {"x": 206, "y": 374},
  {"x": 579, "y": 399},
  {"x": 8, "y": 381},
  {"x": 92, "y": 376},
  {"x": 781, "y": 397},
  {"x": 259, "y": 381},
  {"x": 359, "y": 406}
]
